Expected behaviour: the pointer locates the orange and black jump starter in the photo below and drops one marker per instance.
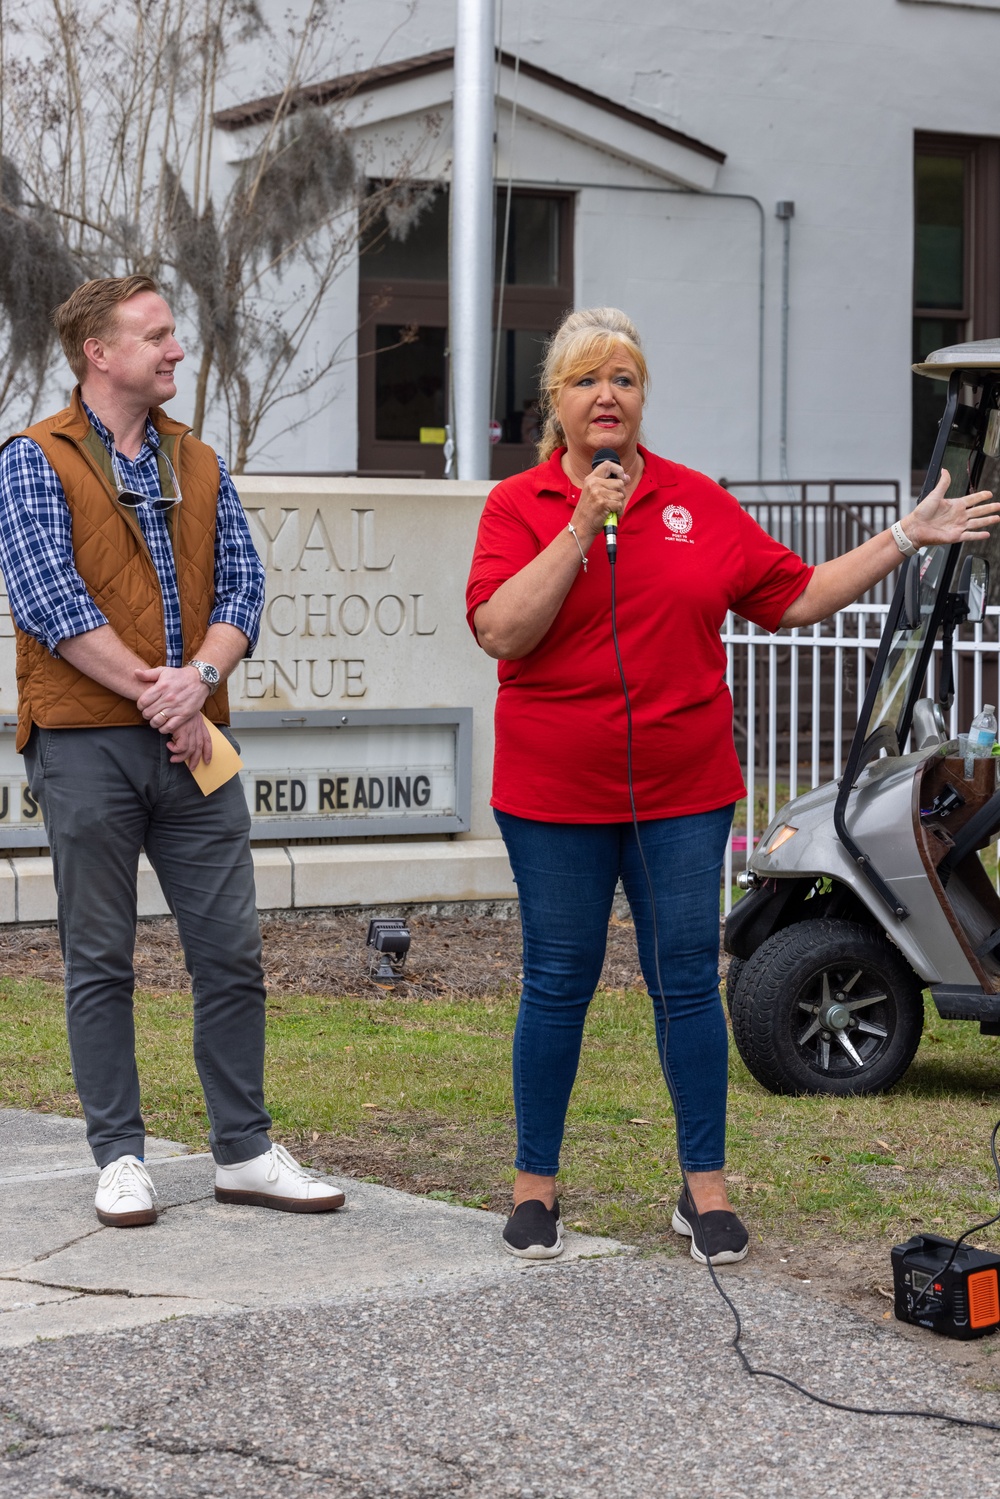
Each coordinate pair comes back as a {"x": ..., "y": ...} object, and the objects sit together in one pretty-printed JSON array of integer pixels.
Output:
[{"x": 960, "y": 1300}]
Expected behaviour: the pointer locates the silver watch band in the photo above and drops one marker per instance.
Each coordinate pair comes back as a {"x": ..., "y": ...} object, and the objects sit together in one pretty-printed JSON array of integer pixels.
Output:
[
  {"x": 209, "y": 674},
  {"x": 901, "y": 539}
]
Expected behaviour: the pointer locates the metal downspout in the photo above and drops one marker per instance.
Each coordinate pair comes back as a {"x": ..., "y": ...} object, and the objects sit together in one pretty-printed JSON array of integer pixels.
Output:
[{"x": 785, "y": 211}]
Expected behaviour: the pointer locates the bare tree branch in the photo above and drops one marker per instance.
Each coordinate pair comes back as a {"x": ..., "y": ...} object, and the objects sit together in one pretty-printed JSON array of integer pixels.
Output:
[{"x": 109, "y": 166}]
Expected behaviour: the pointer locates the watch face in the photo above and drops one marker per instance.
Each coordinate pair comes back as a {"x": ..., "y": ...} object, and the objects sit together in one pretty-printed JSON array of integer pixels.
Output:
[{"x": 209, "y": 674}]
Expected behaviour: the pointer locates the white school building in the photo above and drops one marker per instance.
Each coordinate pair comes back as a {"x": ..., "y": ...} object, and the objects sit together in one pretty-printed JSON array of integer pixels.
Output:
[
  {"x": 647, "y": 146},
  {"x": 791, "y": 199}
]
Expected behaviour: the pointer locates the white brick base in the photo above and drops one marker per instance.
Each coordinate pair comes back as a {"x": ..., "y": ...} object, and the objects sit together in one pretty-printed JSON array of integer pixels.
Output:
[{"x": 340, "y": 874}]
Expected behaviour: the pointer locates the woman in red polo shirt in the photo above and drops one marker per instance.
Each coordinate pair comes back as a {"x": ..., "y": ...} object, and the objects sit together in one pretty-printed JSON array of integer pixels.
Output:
[{"x": 539, "y": 601}]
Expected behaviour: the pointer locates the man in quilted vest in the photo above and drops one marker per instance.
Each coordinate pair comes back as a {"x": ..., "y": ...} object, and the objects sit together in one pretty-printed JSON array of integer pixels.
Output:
[{"x": 135, "y": 590}]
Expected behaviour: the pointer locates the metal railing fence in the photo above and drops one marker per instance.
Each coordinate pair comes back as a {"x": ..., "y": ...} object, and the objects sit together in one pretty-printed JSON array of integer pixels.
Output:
[
  {"x": 822, "y": 518},
  {"x": 796, "y": 698}
]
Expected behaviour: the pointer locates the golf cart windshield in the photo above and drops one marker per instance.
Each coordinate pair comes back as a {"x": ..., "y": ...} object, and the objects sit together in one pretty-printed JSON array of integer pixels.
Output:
[{"x": 972, "y": 458}]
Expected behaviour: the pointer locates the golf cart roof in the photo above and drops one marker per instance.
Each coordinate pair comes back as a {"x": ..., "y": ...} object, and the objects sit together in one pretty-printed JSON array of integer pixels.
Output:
[{"x": 982, "y": 354}]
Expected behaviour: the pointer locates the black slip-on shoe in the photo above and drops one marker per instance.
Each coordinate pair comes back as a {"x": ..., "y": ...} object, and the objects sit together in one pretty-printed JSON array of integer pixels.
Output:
[
  {"x": 533, "y": 1231},
  {"x": 717, "y": 1236}
]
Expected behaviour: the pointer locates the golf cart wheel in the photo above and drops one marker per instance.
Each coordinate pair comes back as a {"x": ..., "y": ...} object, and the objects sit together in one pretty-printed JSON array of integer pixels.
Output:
[
  {"x": 733, "y": 975},
  {"x": 816, "y": 906},
  {"x": 827, "y": 1007}
]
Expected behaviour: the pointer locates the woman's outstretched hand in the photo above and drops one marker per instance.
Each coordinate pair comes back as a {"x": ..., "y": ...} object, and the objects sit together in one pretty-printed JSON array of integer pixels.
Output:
[
  {"x": 936, "y": 521},
  {"x": 939, "y": 521}
]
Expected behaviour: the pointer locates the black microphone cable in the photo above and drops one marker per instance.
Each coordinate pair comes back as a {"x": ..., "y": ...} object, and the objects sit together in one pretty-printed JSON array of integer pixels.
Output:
[{"x": 736, "y": 1341}]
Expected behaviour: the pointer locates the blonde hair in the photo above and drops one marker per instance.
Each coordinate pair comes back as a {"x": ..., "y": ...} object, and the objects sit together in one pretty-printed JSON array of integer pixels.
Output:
[
  {"x": 583, "y": 341},
  {"x": 92, "y": 312}
]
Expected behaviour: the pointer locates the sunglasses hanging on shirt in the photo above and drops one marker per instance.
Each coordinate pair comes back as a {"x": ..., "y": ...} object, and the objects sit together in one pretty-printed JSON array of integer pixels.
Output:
[{"x": 134, "y": 500}]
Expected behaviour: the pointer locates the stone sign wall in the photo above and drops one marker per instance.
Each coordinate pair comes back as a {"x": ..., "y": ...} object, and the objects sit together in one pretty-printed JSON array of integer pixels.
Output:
[{"x": 364, "y": 620}]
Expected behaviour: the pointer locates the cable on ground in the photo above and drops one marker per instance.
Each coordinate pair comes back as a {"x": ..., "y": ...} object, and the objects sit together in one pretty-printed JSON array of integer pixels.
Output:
[{"x": 735, "y": 1344}]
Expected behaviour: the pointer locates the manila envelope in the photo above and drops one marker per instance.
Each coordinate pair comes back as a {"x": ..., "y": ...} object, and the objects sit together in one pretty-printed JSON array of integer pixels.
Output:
[{"x": 224, "y": 764}]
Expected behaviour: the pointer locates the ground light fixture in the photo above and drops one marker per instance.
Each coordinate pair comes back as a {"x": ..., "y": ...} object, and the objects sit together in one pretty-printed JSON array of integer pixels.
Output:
[{"x": 390, "y": 939}]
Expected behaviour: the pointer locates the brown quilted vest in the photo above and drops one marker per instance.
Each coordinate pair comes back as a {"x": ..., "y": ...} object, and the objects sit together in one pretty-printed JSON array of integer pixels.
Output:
[{"x": 112, "y": 558}]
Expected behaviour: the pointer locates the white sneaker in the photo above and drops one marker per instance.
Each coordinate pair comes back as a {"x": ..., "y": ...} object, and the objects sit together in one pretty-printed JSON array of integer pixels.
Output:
[
  {"x": 276, "y": 1180},
  {"x": 125, "y": 1194}
]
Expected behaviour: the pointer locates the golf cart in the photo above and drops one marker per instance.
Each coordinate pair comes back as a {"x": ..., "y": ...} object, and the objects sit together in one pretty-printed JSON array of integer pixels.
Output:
[{"x": 866, "y": 891}]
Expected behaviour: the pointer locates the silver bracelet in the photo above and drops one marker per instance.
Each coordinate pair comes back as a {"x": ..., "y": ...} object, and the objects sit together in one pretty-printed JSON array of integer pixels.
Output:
[
  {"x": 583, "y": 556},
  {"x": 901, "y": 539}
]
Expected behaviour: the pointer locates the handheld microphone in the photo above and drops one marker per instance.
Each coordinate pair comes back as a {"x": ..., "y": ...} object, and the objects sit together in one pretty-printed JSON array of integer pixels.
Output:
[{"x": 608, "y": 455}]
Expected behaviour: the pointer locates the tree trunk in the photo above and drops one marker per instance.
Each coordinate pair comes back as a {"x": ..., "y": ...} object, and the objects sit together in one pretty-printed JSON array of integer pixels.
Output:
[
  {"x": 244, "y": 432},
  {"x": 201, "y": 389}
]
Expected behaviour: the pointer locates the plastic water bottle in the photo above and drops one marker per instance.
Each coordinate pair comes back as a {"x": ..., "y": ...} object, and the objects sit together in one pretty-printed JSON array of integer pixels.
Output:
[
  {"x": 982, "y": 735},
  {"x": 983, "y": 730}
]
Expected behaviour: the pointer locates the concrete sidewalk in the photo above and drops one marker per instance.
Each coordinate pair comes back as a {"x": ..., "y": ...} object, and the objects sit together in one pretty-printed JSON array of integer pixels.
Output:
[
  {"x": 392, "y": 1349},
  {"x": 62, "y": 1272}
]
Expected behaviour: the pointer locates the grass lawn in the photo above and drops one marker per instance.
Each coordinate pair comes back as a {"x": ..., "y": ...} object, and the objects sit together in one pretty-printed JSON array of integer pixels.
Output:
[{"x": 416, "y": 1093}]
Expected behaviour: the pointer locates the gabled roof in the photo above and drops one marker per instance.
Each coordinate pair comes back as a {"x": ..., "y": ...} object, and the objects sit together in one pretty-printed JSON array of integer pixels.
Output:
[{"x": 348, "y": 85}]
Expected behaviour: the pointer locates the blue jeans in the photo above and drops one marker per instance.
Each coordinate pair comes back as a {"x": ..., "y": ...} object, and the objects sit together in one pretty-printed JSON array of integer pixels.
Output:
[{"x": 566, "y": 874}]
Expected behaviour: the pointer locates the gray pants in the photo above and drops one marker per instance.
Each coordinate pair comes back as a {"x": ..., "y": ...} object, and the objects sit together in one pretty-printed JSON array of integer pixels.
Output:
[{"x": 105, "y": 795}]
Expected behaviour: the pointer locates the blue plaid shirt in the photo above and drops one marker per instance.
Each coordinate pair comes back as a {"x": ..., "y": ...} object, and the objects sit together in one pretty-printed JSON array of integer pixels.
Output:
[{"x": 49, "y": 599}]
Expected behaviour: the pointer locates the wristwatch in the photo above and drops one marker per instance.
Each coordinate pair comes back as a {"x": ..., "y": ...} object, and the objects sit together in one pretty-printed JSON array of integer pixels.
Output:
[
  {"x": 901, "y": 539},
  {"x": 209, "y": 674}
]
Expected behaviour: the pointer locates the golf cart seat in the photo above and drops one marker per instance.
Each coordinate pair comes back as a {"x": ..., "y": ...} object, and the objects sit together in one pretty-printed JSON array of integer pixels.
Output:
[
  {"x": 957, "y": 817},
  {"x": 979, "y": 831},
  {"x": 981, "y": 828}
]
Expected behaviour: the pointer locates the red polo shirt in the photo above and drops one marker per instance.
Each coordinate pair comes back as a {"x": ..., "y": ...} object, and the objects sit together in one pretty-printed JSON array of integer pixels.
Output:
[{"x": 687, "y": 553}]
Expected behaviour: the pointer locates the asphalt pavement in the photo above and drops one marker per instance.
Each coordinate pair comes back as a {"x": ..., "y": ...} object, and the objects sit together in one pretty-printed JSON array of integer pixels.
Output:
[{"x": 393, "y": 1349}]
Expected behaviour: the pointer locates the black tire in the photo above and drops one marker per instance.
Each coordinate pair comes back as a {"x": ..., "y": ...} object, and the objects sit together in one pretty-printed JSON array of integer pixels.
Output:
[
  {"x": 777, "y": 1003},
  {"x": 816, "y": 905},
  {"x": 733, "y": 975}
]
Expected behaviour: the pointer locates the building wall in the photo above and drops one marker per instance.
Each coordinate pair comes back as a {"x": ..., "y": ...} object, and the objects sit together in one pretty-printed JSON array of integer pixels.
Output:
[{"x": 811, "y": 102}]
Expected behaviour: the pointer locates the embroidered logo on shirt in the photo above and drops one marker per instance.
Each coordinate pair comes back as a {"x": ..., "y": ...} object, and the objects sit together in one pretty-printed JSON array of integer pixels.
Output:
[{"x": 678, "y": 522}]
